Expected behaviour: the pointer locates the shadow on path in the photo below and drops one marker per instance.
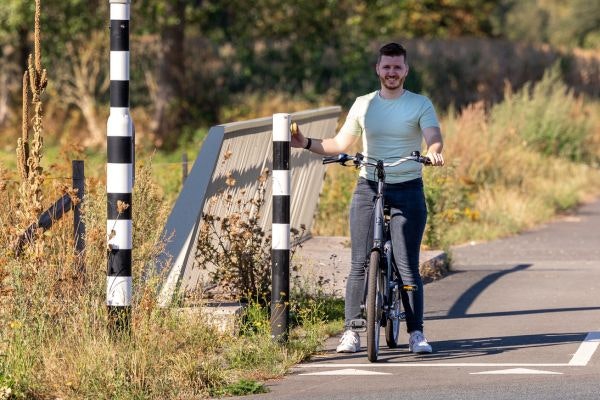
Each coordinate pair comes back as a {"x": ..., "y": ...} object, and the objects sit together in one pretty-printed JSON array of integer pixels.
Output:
[
  {"x": 511, "y": 313},
  {"x": 465, "y": 301},
  {"x": 464, "y": 349}
]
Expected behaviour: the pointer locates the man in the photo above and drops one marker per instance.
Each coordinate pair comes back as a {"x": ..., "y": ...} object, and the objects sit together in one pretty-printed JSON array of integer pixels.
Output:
[{"x": 392, "y": 122}]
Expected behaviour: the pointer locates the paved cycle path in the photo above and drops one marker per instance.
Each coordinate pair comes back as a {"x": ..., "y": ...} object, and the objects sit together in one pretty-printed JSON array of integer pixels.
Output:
[{"x": 517, "y": 318}]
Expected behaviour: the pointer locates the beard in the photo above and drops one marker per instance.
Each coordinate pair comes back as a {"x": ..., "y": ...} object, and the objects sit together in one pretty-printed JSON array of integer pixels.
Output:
[{"x": 392, "y": 84}]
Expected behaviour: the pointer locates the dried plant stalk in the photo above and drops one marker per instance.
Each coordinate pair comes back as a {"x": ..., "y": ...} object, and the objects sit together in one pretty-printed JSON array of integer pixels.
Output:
[
  {"x": 23, "y": 142},
  {"x": 29, "y": 149},
  {"x": 36, "y": 38}
]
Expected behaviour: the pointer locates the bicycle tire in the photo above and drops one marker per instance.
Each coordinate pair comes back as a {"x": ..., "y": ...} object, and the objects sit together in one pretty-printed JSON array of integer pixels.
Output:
[
  {"x": 374, "y": 300},
  {"x": 392, "y": 326}
]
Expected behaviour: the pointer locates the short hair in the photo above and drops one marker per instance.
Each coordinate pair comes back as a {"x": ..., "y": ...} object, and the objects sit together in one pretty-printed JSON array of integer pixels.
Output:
[{"x": 393, "y": 50}]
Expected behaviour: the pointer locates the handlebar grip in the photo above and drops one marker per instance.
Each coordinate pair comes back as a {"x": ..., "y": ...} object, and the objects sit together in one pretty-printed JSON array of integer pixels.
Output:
[
  {"x": 420, "y": 158},
  {"x": 340, "y": 158}
]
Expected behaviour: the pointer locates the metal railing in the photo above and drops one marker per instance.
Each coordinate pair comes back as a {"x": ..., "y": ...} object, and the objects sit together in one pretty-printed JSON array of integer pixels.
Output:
[{"x": 239, "y": 151}]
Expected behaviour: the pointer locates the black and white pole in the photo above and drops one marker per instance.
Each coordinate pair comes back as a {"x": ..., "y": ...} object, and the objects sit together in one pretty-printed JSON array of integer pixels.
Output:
[
  {"x": 281, "y": 227},
  {"x": 119, "y": 171}
]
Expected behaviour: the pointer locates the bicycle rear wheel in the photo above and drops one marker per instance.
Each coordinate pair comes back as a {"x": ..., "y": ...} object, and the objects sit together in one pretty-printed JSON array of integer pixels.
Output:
[
  {"x": 392, "y": 326},
  {"x": 374, "y": 304}
]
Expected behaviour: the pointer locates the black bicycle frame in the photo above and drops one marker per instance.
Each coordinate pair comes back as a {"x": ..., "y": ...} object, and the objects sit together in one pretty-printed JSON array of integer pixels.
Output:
[
  {"x": 378, "y": 231},
  {"x": 380, "y": 235}
]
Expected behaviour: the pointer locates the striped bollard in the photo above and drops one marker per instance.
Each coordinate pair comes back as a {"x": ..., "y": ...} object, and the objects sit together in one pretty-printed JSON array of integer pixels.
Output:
[
  {"x": 280, "y": 273},
  {"x": 119, "y": 172}
]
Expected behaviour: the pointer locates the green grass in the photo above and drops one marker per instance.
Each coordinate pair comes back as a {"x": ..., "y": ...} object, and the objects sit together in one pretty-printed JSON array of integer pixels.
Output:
[{"x": 241, "y": 388}]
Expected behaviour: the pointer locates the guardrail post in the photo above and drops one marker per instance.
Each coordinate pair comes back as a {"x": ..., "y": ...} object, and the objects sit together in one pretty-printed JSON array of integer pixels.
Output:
[
  {"x": 184, "y": 167},
  {"x": 119, "y": 172},
  {"x": 78, "y": 224},
  {"x": 280, "y": 274}
]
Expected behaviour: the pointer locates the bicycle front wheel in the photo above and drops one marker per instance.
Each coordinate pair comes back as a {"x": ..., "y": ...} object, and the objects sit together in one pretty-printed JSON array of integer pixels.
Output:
[{"x": 374, "y": 304}]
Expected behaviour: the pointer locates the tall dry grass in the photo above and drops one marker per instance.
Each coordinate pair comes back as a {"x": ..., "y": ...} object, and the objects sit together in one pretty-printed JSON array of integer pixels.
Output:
[
  {"x": 509, "y": 167},
  {"x": 54, "y": 341},
  {"x": 520, "y": 162},
  {"x": 54, "y": 336}
]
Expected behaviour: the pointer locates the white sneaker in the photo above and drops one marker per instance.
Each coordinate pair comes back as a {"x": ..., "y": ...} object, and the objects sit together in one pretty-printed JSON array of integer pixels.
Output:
[
  {"x": 349, "y": 343},
  {"x": 418, "y": 343}
]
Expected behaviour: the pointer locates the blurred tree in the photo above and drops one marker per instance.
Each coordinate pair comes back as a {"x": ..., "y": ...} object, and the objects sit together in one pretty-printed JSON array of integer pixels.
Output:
[
  {"x": 85, "y": 81},
  {"x": 325, "y": 47},
  {"x": 61, "y": 21},
  {"x": 574, "y": 23},
  {"x": 585, "y": 19},
  {"x": 16, "y": 17},
  {"x": 440, "y": 18},
  {"x": 318, "y": 50},
  {"x": 167, "y": 19}
]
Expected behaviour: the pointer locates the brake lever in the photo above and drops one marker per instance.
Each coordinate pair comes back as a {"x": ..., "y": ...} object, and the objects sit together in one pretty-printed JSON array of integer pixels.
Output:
[{"x": 358, "y": 159}]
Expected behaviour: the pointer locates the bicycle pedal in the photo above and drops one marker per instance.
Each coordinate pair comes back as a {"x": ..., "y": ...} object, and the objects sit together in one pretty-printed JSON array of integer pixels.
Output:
[
  {"x": 410, "y": 288},
  {"x": 358, "y": 325}
]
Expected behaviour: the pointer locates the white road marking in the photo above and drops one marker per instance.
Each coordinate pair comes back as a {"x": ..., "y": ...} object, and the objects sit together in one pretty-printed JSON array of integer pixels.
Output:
[
  {"x": 580, "y": 359},
  {"x": 428, "y": 364},
  {"x": 517, "y": 371},
  {"x": 586, "y": 350},
  {"x": 348, "y": 371}
]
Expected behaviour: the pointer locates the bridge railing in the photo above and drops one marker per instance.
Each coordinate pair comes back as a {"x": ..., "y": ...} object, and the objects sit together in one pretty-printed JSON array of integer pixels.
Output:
[{"x": 239, "y": 151}]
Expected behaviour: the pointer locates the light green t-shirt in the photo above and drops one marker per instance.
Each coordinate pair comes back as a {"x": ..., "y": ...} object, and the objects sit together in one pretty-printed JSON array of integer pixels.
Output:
[{"x": 391, "y": 129}]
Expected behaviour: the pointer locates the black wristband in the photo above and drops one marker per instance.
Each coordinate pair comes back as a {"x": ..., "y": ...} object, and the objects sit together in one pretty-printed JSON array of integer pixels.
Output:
[{"x": 308, "y": 144}]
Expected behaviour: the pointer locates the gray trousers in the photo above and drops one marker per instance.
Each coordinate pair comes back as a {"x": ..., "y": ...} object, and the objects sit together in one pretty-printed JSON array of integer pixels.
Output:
[{"x": 408, "y": 212}]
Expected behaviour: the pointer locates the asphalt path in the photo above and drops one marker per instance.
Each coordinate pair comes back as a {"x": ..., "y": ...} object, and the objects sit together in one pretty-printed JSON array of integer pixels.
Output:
[{"x": 518, "y": 318}]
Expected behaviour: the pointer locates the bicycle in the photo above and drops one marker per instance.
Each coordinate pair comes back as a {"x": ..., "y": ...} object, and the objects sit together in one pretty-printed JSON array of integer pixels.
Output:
[{"x": 382, "y": 298}]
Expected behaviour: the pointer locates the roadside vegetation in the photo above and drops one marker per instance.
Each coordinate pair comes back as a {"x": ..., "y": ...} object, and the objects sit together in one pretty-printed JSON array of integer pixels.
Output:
[
  {"x": 518, "y": 154},
  {"x": 511, "y": 165},
  {"x": 54, "y": 336},
  {"x": 54, "y": 341}
]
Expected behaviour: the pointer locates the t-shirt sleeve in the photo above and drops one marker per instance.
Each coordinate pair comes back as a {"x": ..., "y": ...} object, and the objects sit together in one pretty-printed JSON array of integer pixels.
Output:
[
  {"x": 352, "y": 124},
  {"x": 428, "y": 117}
]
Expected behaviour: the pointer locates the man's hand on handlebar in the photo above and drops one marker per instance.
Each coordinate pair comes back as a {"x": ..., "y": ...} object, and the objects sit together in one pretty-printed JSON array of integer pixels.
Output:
[{"x": 436, "y": 158}]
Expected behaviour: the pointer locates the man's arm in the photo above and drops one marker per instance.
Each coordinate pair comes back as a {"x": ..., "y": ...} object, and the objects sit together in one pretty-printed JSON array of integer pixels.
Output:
[
  {"x": 327, "y": 147},
  {"x": 435, "y": 144}
]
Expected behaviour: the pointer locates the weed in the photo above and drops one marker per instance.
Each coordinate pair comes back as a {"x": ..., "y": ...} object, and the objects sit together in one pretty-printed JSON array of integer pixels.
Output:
[
  {"x": 236, "y": 246},
  {"x": 241, "y": 388},
  {"x": 29, "y": 150}
]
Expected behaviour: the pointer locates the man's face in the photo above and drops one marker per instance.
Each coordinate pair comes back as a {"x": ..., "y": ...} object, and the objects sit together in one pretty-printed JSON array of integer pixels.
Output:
[{"x": 392, "y": 71}]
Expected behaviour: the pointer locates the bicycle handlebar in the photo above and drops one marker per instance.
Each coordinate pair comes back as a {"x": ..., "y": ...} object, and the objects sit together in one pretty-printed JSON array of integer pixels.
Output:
[
  {"x": 341, "y": 158},
  {"x": 360, "y": 160}
]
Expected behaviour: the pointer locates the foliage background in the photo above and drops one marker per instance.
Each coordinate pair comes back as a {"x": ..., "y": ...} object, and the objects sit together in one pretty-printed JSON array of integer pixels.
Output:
[{"x": 201, "y": 62}]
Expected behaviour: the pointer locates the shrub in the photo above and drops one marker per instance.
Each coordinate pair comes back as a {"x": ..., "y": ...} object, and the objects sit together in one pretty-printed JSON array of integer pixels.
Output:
[
  {"x": 235, "y": 249},
  {"x": 548, "y": 118}
]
